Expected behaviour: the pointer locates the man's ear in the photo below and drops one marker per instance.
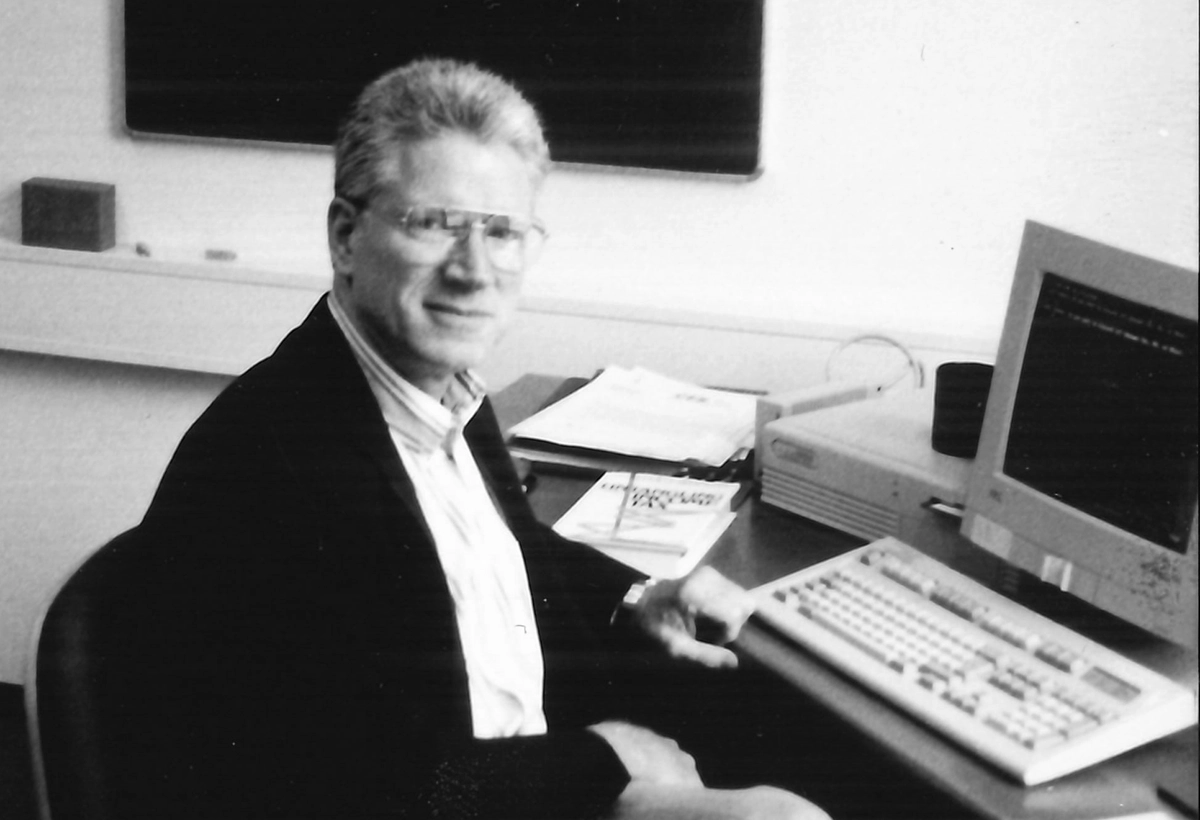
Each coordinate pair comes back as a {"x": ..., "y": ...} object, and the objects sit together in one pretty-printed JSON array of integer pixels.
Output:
[{"x": 340, "y": 223}]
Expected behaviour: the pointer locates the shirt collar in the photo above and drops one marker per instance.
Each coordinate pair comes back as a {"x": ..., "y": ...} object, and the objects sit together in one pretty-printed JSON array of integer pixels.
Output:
[{"x": 422, "y": 422}]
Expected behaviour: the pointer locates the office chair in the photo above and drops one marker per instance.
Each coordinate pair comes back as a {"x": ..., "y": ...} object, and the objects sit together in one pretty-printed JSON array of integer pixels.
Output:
[{"x": 63, "y": 683}]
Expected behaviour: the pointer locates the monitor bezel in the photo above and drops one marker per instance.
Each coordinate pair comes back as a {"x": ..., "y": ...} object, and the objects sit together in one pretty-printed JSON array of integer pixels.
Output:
[{"x": 1142, "y": 582}]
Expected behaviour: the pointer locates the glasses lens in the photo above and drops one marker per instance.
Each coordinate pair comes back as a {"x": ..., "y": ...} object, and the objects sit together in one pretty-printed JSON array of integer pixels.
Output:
[
  {"x": 427, "y": 225},
  {"x": 504, "y": 238},
  {"x": 532, "y": 241}
]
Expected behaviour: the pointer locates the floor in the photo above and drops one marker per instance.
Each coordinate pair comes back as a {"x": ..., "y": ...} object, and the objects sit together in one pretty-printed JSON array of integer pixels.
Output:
[{"x": 16, "y": 779}]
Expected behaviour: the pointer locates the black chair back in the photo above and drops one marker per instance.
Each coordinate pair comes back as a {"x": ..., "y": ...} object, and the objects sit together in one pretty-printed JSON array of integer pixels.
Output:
[{"x": 69, "y": 724}]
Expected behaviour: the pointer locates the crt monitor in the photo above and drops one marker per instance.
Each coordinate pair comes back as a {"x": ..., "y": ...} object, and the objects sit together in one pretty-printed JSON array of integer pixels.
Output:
[{"x": 1086, "y": 470}]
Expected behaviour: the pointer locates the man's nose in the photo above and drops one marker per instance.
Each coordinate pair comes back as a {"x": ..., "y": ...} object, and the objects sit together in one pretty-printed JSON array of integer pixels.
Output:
[{"x": 468, "y": 260}]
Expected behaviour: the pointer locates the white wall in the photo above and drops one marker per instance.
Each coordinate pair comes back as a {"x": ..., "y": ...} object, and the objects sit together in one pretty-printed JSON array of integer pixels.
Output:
[{"x": 905, "y": 143}]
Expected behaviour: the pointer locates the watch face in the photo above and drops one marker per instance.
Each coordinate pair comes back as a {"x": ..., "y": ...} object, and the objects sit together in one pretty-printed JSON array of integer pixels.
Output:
[
  {"x": 623, "y": 613},
  {"x": 637, "y": 591},
  {"x": 634, "y": 594}
]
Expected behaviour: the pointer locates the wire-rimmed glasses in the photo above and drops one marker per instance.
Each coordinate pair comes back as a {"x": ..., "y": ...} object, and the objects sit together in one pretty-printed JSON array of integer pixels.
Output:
[{"x": 512, "y": 243}]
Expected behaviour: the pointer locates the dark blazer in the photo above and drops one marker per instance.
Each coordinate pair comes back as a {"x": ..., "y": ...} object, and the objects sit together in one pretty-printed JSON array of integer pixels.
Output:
[{"x": 292, "y": 648}]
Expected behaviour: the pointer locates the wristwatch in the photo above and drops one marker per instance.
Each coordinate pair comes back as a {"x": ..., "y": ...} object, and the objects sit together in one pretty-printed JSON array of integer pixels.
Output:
[{"x": 624, "y": 611}]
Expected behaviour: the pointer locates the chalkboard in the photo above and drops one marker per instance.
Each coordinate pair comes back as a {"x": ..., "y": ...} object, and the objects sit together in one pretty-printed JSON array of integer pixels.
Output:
[{"x": 670, "y": 84}]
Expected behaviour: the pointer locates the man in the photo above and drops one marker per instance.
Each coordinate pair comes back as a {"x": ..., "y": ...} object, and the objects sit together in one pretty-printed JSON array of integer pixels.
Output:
[{"x": 349, "y": 609}]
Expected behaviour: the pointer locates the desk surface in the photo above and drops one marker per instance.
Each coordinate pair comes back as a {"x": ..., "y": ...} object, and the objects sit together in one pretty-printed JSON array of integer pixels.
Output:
[{"x": 764, "y": 544}]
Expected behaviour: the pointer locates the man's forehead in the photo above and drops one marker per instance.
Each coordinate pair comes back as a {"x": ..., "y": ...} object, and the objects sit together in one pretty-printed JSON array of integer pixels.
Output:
[{"x": 402, "y": 162}]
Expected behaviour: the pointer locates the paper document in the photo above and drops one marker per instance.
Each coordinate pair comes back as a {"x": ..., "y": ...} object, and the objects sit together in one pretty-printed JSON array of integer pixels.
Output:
[{"x": 635, "y": 412}]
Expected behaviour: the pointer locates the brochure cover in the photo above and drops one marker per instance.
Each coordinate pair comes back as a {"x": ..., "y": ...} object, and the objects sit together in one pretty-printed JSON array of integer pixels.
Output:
[{"x": 661, "y": 525}]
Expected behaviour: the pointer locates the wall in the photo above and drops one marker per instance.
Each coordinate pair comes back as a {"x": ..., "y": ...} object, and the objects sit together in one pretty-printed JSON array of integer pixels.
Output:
[{"x": 904, "y": 145}]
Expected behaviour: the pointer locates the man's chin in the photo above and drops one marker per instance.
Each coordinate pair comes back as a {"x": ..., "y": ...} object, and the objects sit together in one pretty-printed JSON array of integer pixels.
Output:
[{"x": 458, "y": 355}]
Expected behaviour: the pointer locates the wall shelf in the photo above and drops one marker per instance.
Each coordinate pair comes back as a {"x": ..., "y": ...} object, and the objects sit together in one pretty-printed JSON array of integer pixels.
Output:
[
  {"x": 116, "y": 306},
  {"x": 220, "y": 317}
]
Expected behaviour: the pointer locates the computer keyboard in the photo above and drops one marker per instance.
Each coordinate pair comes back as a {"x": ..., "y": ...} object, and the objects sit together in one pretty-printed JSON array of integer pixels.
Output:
[{"x": 1036, "y": 699}]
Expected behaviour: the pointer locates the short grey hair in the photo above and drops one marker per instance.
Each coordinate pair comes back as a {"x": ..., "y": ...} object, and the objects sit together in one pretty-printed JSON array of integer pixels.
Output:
[{"x": 426, "y": 99}]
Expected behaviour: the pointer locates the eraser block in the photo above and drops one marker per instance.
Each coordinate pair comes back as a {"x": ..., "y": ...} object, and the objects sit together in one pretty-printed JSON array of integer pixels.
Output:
[{"x": 69, "y": 214}]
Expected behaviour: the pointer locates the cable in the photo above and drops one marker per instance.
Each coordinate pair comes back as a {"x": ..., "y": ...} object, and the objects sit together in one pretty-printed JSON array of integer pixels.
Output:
[{"x": 914, "y": 366}]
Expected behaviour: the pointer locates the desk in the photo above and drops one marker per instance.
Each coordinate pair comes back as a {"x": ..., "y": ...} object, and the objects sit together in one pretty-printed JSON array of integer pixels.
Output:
[{"x": 764, "y": 544}]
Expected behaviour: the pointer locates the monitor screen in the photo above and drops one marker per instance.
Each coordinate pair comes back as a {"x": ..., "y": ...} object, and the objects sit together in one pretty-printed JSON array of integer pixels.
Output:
[{"x": 1087, "y": 469}]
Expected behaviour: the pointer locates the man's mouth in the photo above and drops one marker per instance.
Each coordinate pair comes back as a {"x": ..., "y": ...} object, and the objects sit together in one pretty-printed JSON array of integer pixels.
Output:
[{"x": 458, "y": 312}]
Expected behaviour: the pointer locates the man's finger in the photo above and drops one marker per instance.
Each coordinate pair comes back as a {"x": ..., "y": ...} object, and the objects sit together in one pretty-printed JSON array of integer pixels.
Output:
[
  {"x": 712, "y": 596},
  {"x": 679, "y": 644}
]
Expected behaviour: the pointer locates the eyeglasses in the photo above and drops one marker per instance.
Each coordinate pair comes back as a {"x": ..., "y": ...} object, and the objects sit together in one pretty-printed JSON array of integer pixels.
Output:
[{"x": 512, "y": 243}]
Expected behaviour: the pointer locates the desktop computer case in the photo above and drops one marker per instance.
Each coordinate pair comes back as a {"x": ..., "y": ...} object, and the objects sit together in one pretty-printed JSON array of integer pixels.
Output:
[{"x": 867, "y": 468}]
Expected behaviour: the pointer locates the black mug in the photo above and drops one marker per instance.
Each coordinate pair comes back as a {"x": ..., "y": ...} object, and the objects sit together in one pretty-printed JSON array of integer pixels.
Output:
[{"x": 960, "y": 397}]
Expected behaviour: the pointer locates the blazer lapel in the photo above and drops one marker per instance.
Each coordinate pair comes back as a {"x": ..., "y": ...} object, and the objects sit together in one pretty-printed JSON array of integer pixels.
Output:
[{"x": 337, "y": 396}]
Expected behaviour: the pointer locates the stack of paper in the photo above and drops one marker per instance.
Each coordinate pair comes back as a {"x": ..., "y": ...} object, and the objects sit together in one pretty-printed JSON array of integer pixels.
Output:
[
  {"x": 661, "y": 525},
  {"x": 639, "y": 414}
]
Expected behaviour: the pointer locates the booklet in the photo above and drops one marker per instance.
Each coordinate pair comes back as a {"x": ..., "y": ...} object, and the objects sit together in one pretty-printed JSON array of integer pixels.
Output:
[{"x": 660, "y": 525}]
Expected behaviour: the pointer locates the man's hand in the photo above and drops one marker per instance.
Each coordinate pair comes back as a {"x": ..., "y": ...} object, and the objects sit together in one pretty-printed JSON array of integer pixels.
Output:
[
  {"x": 672, "y": 610},
  {"x": 647, "y": 756}
]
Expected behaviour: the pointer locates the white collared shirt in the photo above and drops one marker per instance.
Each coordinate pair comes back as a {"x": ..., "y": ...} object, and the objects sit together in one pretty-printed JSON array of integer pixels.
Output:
[{"x": 479, "y": 555}]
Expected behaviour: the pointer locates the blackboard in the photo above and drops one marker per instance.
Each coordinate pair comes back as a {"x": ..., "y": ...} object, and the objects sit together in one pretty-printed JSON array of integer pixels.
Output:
[{"x": 672, "y": 85}]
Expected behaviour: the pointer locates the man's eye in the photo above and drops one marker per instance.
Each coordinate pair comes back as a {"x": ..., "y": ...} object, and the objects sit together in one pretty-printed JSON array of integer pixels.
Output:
[
  {"x": 504, "y": 233},
  {"x": 425, "y": 221}
]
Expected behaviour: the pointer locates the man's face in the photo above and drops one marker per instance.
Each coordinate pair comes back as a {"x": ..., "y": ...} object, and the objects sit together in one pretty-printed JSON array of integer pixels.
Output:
[{"x": 430, "y": 316}]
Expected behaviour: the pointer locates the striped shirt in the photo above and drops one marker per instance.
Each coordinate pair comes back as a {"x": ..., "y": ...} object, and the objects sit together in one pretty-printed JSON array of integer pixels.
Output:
[{"x": 482, "y": 560}]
